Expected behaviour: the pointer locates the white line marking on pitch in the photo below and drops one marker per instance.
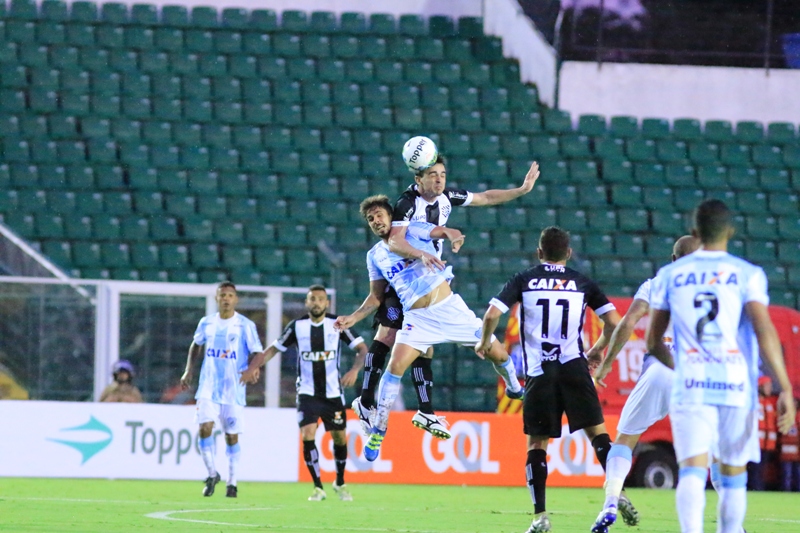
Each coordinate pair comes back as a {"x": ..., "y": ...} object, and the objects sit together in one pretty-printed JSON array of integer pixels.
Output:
[{"x": 167, "y": 515}]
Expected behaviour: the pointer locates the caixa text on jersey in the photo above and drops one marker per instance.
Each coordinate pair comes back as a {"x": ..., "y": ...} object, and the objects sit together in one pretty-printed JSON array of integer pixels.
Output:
[{"x": 221, "y": 354}]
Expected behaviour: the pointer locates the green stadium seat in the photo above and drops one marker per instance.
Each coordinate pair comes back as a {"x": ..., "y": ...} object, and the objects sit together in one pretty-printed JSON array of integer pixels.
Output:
[
  {"x": 599, "y": 245},
  {"x": 139, "y": 38},
  {"x": 86, "y": 254},
  {"x": 183, "y": 62},
  {"x": 659, "y": 247},
  {"x": 770, "y": 156},
  {"x": 719, "y": 131},
  {"x": 322, "y": 22},
  {"x": 659, "y": 198},
  {"x": 106, "y": 227},
  {"x": 198, "y": 229},
  {"x": 59, "y": 252},
  {"x": 237, "y": 257},
  {"x": 134, "y": 228},
  {"x": 54, "y": 10},
  {"x": 703, "y": 153},
  {"x": 583, "y": 171},
  {"x": 680, "y": 175},
  {"x": 592, "y": 125},
  {"x": 602, "y": 220},
  {"x": 164, "y": 228},
  {"x": 789, "y": 252},
  {"x": 557, "y": 121},
  {"x": 687, "y": 129},
  {"x": 760, "y": 251},
  {"x": 749, "y": 132},
  {"x": 204, "y": 255},
  {"x": 382, "y": 24},
  {"x": 743, "y": 178},
  {"x": 760, "y": 227},
  {"x": 115, "y": 255},
  {"x": 774, "y": 179},
  {"x": 781, "y": 133},
  {"x": 688, "y": 199},
  {"x": 789, "y": 227},
  {"x": 294, "y": 21},
  {"x": 263, "y": 20},
  {"x": 752, "y": 202},
  {"x": 527, "y": 122},
  {"x": 432, "y": 49},
  {"x": 22, "y": 223},
  {"x": 672, "y": 151},
  {"x": 624, "y": 126},
  {"x": 204, "y": 17},
  {"x": 23, "y": 10},
  {"x": 712, "y": 176},
  {"x": 791, "y": 157},
  {"x": 575, "y": 146},
  {"x": 617, "y": 171},
  {"x": 48, "y": 226},
  {"x": 735, "y": 154},
  {"x": 641, "y": 150},
  {"x": 668, "y": 223},
  {"x": 413, "y": 25},
  {"x": 110, "y": 37},
  {"x": 174, "y": 181},
  {"x": 781, "y": 203},
  {"x": 649, "y": 173},
  {"x": 655, "y": 128},
  {"x": 633, "y": 220},
  {"x": 609, "y": 268},
  {"x": 174, "y": 256}
]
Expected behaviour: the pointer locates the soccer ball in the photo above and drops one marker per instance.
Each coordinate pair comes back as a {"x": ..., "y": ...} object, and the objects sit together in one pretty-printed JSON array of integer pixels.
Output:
[{"x": 420, "y": 153}]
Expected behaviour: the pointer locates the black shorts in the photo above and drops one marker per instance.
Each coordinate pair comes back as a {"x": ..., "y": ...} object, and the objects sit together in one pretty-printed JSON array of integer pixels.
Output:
[
  {"x": 331, "y": 410},
  {"x": 390, "y": 313},
  {"x": 563, "y": 388}
]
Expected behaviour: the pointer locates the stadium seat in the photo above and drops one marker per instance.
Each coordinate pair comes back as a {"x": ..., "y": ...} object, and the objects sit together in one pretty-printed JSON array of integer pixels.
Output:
[
  {"x": 719, "y": 131},
  {"x": 655, "y": 128},
  {"x": 749, "y": 132},
  {"x": 687, "y": 129},
  {"x": 781, "y": 133}
]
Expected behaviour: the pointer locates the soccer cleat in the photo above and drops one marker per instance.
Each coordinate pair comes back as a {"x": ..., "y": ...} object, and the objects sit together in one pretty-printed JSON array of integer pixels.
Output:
[
  {"x": 515, "y": 395},
  {"x": 343, "y": 493},
  {"x": 373, "y": 447},
  {"x": 435, "y": 425},
  {"x": 211, "y": 483},
  {"x": 365, "y": 416},
  {"x": 629, "y": 513},
  {"x": 232, "y": 492},
  {"x": 318, "y": 495},
  {"x": 541, "y": 524},
  {"x": 606, "y": 518}
]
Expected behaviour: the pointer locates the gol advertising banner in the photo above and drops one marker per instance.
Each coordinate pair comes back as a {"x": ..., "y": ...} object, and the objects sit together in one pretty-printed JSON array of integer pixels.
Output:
[
  {"x": 137, "y": 441},
  {"x": 485, "y": 449}
]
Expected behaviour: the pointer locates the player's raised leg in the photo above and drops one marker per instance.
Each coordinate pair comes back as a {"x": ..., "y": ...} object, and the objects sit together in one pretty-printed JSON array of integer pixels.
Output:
[{"x": 402, "y": 357}]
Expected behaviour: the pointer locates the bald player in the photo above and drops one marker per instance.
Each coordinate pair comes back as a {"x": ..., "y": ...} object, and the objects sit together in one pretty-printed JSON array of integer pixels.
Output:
[{"x": 647, "y": 404}]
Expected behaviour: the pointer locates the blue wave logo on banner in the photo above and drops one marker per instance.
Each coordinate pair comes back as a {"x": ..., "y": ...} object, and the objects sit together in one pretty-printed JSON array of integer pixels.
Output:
[{"x": 88, "y": 449}]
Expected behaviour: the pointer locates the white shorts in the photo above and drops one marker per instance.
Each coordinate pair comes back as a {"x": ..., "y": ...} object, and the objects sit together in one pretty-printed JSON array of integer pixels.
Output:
[
  {"x": 731, "y": 433},
  {"x": 230, "y": 417},
  {"x": 449, "y": 321},
  {"x": 648, "y": 402}
]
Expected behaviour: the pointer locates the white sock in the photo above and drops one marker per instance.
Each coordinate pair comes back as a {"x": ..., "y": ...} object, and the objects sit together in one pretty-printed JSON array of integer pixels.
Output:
[
  {"x": 690, "y": 498},
  {"x": 618, "y": 465},
  {"x": 509, "y": 375},
  {"x": 388, "y": 390},
  {"x": 732, "y": 503},
  {"x": 207, "y": 452},
  {"x": 233, "y": 453}
]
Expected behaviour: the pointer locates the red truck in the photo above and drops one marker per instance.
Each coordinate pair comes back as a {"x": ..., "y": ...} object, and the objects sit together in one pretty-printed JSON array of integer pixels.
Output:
[{"x": 654, "y": 458}]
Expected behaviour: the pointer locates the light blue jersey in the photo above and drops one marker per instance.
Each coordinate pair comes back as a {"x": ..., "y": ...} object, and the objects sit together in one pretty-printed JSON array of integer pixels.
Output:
[
  {"x": 228, "y": 343},
  {"x": 410, "y": 278},
  {"x": 715, "y": 354}
]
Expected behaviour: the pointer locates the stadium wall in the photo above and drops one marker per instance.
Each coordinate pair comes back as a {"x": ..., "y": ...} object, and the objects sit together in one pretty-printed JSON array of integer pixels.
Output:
[{"x": 668, "y": 91}]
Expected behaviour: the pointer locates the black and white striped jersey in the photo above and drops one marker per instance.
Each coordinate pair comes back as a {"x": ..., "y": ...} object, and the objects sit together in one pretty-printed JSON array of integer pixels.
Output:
[
  {"x": 318, "y": 354},
  {"x": 554, "y": 300},
  {"x": 412, "y": 207}
]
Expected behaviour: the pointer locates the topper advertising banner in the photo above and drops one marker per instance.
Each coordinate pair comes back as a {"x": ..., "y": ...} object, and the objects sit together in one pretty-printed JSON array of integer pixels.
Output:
[
  {"x": 485, "y": 449},
  {"x": 137, "y": 441}
]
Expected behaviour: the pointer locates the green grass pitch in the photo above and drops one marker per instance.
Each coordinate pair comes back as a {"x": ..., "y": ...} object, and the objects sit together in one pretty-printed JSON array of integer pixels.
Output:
[{"x": 88, "y": 506}]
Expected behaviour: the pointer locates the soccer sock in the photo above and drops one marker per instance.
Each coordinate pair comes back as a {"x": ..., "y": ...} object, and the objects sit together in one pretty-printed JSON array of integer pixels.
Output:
[
  {"x": 373, "y": 368},
  {"x": 311, "y": 456},
  {"x": 602, "y": 445},
  {"x": 618, "y": 465},
  {"x": 732, "y": 503},
  {"x": 233, "y": 452},
  {"x": 387, "y": 394},
  {"x": 422, "y": 376},
  {"x": 715, "y": 477},
  {"x": 690, "y": 498},
  {"x": 207, "y": 451},
  {"x": 509, "y": 375},
  {"x": 536, "y": 473},
  {"x": 340, "y": 456}
]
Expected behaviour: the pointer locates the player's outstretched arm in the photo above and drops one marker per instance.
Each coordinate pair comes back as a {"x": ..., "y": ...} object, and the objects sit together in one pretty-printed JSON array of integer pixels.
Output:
[
  {"x": 349, "y": 378},
  {"x": 377, "y": 288},
  {"x": 610, "y": 321},
  {"x": 195, "y": 351},
  {"x": 453, "y": 235},
  {"x": 259, "y": 359},
  {"x": 658, "y": 324},
  {"x": 399, "y": 245},
  {"x": 490, "y": 320},
  {"x": 622, "y": 333},
  {"x": 501, "y": 196},
  {"x": 772, "y": 354}
]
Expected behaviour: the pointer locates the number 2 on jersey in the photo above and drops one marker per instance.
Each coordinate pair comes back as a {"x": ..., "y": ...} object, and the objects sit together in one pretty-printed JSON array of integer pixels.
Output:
[
  {"x": 544, "y": 303},
  {"x": 713, "y": 311}
]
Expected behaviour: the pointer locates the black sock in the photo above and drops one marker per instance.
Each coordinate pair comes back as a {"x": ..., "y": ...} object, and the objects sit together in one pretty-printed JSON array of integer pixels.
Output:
[
  {"x": 422, "y": 376},
  {"x": 536, "y": 473},
  {"x": 373, "y": 369},
  {"x": 311, "y": 456},
  {"x": 602, "y": 445},
  {"x": 340, "y": 456}
]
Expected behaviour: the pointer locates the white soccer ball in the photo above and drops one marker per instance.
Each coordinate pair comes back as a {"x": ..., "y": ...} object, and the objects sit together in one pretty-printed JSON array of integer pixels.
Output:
[{"x": 420, "y": 153}]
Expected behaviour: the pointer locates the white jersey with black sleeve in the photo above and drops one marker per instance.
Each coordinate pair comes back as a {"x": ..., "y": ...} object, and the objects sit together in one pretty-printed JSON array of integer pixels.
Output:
[
  {"x": 554, "y": 300},
  {"x": 412, "y": 207},
  {"x": 318, "y": 354}
]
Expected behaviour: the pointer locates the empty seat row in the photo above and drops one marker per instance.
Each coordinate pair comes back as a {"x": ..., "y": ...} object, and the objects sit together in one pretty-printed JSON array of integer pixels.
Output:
[
  {"x": 115, "y": 13},
  {"x": 713, "y": 176}
]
